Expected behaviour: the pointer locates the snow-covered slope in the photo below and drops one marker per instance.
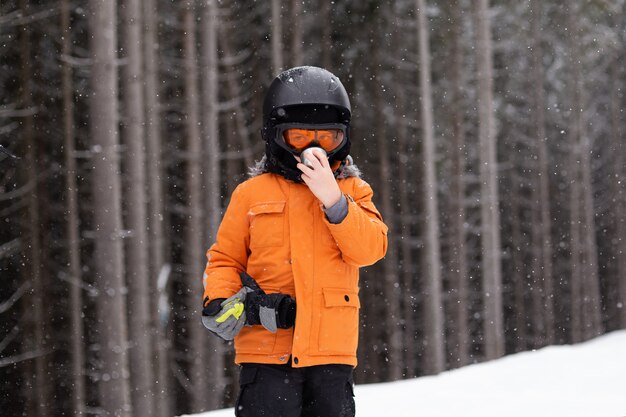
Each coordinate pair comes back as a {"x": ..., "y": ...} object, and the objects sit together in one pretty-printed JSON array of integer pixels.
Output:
[{"x": 584, "y": 380}]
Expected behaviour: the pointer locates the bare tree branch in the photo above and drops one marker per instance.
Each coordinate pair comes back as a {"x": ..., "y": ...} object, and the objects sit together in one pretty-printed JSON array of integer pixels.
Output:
[
  {"x": 11, "y": 360},
  {"x": 11, "y": 111},
  {"x": 5, "y": 306},
  {"x": 8, "y": 338},
  {"x": 16, "y": 19},
  {"x": 19, "y": 192},
  {"x": 8, "y": 128}
]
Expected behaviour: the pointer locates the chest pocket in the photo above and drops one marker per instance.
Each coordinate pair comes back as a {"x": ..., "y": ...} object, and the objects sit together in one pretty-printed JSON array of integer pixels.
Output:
[{"x": 267, "y": 224}]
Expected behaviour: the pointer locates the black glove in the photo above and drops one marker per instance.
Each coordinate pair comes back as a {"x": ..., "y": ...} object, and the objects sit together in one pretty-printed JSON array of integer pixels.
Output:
[
  {"x": 213, "y": 307},
  {"x": 272, "y": 311}
]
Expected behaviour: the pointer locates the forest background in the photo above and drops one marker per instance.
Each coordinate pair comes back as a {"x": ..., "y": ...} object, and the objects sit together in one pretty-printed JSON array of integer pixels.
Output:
[{"x": 492, "y": 134}]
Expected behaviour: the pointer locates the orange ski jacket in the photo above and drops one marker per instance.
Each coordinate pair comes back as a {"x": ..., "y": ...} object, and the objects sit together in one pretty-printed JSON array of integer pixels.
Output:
[{"x": 276, "y": 231}]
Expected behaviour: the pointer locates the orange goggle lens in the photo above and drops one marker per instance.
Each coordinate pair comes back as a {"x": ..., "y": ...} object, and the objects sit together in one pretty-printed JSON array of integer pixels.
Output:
[{"x": 328, "y": 139}]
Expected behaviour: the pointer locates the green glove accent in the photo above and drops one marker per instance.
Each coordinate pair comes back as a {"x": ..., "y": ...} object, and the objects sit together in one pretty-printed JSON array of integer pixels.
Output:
[{"x": 233, "y": 308}]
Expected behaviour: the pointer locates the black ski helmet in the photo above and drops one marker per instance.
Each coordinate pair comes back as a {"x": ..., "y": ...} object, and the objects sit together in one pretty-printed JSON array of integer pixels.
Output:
[{"x": 306, "y": 95}]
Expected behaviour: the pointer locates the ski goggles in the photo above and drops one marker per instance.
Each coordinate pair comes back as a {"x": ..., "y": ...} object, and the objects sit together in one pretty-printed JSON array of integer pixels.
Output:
[{"x": 297, "y": 137}]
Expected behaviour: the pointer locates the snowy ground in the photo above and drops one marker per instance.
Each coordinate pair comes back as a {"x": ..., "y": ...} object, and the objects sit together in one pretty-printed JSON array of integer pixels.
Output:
[{"x": 585, "y": 380}]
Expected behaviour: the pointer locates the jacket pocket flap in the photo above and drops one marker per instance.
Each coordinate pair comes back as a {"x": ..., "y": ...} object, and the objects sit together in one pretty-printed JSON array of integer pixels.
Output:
[
  {"x": 339, "y": 297},
  {"x": 268, "y": 207}
]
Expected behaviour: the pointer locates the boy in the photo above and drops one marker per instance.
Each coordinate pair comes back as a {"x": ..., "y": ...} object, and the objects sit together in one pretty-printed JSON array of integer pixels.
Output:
[{"x": 282, "y": 276}]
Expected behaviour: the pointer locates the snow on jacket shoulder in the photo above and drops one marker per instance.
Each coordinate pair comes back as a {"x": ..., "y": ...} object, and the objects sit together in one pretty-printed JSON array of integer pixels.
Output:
[{"x": 276, "y": 230}]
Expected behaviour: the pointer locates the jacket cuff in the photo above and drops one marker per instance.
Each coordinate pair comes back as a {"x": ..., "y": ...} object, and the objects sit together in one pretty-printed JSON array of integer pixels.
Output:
[{"x": 338, "y": 211}]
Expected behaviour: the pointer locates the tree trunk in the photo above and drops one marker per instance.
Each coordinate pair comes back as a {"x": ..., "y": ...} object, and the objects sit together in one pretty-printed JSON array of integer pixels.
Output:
[
  {"x": 277, "y": 37},
  {"x": 617, "y": 187},
  {"x": 111, "y": 329},
  {"x": 137, "y": 271},
  {"x": 391, "y": 289},
  {"x": 407, "y": 267},
  {"x": 518, "y": 255},
  {"x": 234, "y": 91},
  {"x": 297, "y": 24},
  {"x": 37, "y": 387},
  {"x": 164, "y": 404},
  {"x": 585, "y": 301},
  {"x": 542, "y": 227},
  {"x": 214, "y": 351},
  {"x": 193, "y": 249},
  {"x": 575, "y": 244},
  {"x": 458, "y": 343},
  {"x": 153, "y": 137},
  {"x": 434, "y": 357},
  {"x": 493, "y": 327},
  {"x": 327, "y": 32},
  {"x": 77, "y": 355}
]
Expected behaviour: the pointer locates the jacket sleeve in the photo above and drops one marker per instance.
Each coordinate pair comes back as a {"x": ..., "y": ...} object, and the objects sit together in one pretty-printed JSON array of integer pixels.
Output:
[
  {"x": 362, "y": 235},
  {"x": 228, "y": 256}
]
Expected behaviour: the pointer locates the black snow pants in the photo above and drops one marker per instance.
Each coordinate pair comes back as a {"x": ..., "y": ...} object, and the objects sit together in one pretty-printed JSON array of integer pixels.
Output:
[{"x": 283, "y": 391}]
